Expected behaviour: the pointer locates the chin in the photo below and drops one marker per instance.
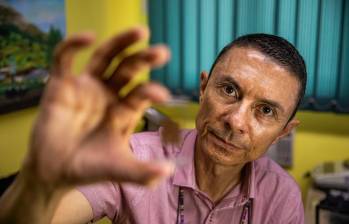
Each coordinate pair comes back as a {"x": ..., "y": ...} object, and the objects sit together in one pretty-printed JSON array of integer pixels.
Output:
[
  {"x": 219, "y": 152},
  {"x": 223, "y": 156}
]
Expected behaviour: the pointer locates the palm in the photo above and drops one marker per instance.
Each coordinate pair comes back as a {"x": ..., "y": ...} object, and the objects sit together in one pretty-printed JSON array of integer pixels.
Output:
[{"x": 82, "y": 132}]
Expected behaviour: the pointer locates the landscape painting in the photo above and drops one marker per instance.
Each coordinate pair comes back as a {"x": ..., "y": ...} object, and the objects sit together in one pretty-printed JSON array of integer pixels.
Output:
[{"x": 29, "y": 32}]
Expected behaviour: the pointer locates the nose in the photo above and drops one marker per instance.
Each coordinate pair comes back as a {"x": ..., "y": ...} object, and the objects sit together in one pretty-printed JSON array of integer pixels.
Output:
[{"x": 237, "y": 119}]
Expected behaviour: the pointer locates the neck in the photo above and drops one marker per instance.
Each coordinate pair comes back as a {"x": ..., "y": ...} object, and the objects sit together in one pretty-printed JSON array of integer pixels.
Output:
[{"x": 214, "y": 179}]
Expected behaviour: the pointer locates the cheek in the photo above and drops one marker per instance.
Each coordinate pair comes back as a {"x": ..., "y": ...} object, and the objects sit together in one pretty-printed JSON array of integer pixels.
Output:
[
  {"x": 207, "y": 112},
  {"x": 261, "y": 139}
]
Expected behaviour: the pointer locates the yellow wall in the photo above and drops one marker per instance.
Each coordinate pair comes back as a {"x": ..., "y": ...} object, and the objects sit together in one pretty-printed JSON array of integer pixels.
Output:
[
  {"x": 103, "y": 17},
  {"x": 321, "y": 137},
  {"x": 14, "y": 135}
]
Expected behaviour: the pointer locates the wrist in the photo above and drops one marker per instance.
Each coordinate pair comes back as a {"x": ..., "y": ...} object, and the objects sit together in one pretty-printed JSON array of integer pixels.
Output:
[
  {"x": 31, "y": 182},
  {"x": 26, "y": 199},
  {"x": 41, "y": 178}
]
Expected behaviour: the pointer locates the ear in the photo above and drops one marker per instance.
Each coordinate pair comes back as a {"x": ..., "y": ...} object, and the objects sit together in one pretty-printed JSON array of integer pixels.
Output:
[
  {"x": 287, "y": 130},
  {"x": 203, "y": 83}
]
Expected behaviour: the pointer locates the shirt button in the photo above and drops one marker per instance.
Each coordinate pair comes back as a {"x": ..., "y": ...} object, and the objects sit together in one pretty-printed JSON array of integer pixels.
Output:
[{"x": 211, "y": 217}]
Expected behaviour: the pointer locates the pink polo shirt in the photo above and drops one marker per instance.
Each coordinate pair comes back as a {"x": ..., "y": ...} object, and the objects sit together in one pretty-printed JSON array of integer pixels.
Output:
[{"x": 275, "y": 197}]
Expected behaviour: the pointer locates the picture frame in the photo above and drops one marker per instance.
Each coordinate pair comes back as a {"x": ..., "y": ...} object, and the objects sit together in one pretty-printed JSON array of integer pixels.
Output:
[{"x": 29, "y": 33}]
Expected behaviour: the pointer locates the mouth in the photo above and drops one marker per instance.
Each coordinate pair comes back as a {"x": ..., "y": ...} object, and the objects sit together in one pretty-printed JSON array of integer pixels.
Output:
[{"x": 222, "y": 142}]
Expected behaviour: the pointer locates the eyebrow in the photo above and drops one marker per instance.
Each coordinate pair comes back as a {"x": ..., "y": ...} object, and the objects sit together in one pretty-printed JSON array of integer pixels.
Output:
[
  {"x": 231, "y": 80},
  {"x": 263, "y": 100}
]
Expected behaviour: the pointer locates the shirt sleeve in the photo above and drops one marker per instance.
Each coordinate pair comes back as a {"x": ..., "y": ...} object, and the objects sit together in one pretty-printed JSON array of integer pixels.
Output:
[{"x": 104, "y": 199}]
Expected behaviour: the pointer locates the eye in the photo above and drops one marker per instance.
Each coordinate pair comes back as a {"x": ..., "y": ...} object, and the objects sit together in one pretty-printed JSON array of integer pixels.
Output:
[
  {"x": 267, "y": 111},
  {"x": 230, "y": 90}
]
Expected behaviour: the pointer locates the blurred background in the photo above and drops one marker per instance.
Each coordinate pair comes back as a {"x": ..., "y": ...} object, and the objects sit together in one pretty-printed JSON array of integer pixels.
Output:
[{"x": 316, "y": 154}]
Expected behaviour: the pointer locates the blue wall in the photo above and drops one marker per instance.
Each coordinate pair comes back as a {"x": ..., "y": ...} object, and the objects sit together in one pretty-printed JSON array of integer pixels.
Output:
[{"x": 196, "y": 30}]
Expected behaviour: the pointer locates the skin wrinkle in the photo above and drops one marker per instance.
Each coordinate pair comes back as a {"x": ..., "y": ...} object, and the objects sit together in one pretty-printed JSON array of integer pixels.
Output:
[
  {"x": 240, "y": 121},
  {"x": 256, "y": 63}
]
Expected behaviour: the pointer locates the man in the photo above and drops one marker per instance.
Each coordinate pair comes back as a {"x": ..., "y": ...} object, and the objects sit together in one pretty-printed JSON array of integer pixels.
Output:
[{"x": 82, "y": 135}]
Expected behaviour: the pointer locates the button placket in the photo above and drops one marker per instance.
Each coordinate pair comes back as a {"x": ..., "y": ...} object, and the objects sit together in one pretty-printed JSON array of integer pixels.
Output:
[{"x": 210, "y": 218}]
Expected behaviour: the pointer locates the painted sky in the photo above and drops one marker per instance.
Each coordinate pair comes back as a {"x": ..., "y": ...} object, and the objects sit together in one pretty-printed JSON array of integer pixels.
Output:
[{"x": 43, "y": 13}]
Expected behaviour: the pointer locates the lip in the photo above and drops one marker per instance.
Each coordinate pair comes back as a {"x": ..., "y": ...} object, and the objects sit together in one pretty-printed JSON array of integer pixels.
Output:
[{"x": 221, "y": 142}]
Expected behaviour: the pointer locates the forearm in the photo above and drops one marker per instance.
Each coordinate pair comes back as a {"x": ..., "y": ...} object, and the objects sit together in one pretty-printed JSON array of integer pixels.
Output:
[{"x": 25, "y": 201}]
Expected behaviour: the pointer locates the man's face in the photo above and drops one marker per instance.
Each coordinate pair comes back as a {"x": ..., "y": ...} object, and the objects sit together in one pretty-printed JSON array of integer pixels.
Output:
[{"x": 244, "y": 107}]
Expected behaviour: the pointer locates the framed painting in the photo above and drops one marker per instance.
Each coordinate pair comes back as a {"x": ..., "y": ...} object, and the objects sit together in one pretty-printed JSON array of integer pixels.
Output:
[{"x": 29, "y": 32}]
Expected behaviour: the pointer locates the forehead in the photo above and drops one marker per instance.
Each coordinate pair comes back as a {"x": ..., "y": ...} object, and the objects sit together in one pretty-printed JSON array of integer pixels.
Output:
[{"x": 259, "y": 76}]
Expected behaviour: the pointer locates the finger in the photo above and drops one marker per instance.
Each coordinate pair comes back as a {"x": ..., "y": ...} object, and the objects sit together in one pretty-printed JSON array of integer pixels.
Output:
[
  {"x": 143, "y": 94},
  {"x": 144, "y": 173},
  {"x": 134, "y": 105},
  {"x": 132, "y": 65},
  {"x": 103, "y": 56},
  {"x": 65, "y": 51},
  {"x": 91, "y": 165}
]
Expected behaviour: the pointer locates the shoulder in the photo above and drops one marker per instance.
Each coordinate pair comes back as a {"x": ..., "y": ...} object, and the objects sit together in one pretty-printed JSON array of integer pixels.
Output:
[
  {"x": 271, "y": 178},
  {"x": 277, "y": 195},
  {"x": 149, "y": 145}
]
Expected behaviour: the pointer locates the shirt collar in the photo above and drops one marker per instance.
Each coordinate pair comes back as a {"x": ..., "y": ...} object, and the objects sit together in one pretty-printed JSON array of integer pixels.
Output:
[{"x": 184, "y": 174}]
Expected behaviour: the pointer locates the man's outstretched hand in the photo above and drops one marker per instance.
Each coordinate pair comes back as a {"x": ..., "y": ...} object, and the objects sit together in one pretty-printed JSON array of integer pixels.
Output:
[
  {"x": 83, "y": 128},
  {"x": 84, "y": 125}
]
